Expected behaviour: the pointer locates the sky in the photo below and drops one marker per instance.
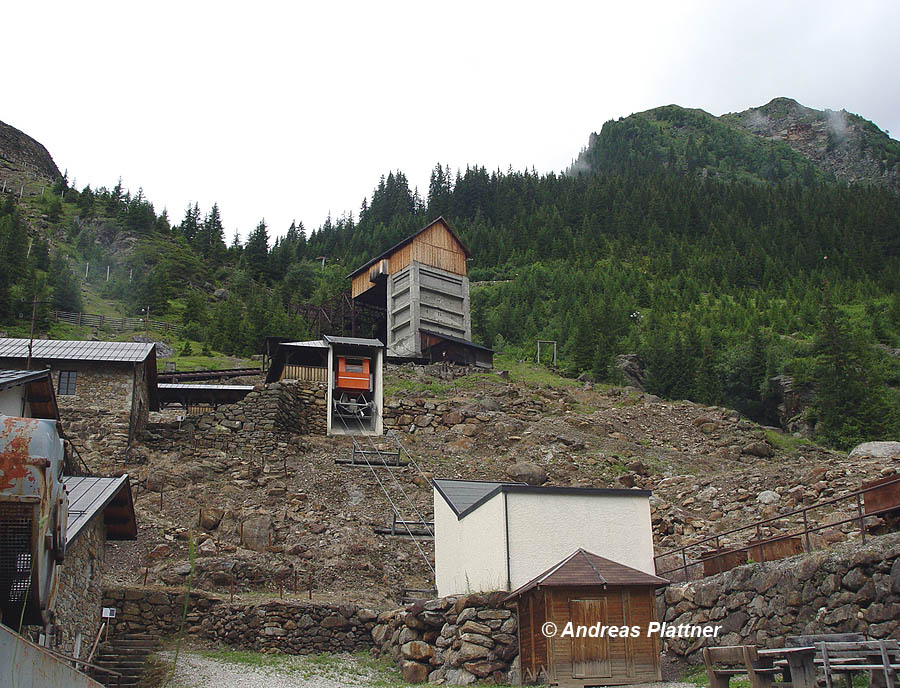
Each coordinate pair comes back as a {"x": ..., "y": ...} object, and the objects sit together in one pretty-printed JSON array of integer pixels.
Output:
[{"x": 294, "y": 110}]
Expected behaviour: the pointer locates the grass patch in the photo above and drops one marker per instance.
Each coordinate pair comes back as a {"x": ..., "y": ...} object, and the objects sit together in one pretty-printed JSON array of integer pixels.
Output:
[
  {"x": 788, "y": 443},
  {"x": 532, "y": 373}
]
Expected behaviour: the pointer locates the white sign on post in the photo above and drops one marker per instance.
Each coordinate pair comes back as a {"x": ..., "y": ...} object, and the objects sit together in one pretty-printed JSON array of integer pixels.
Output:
[{"x": 109, "y": 612}]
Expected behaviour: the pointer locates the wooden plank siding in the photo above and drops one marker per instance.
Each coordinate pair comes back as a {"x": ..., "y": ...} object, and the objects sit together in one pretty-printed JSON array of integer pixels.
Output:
[
  {"x": 299, "y": 372},
  {"x": 435, "y": 246},
  {"x": 611, "y": 661}
]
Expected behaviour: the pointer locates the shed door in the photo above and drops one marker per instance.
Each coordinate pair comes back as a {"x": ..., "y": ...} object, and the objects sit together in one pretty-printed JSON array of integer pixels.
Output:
[{"x": 590, "y": 656}]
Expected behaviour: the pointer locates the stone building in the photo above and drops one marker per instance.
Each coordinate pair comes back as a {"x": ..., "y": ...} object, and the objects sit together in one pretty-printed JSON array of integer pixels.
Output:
[
  {"x": 100, "y": 509},
  {"x": 104, "y": 390}
]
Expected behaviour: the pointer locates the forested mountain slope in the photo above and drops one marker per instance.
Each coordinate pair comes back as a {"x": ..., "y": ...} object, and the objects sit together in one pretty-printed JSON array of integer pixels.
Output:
[{"x": 720, "y": 258}]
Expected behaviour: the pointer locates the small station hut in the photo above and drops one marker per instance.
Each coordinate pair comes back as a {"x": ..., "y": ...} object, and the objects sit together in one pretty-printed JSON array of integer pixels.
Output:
[
  {"x": 587, "y": 590},
  {"x": 352, "y": 370}
]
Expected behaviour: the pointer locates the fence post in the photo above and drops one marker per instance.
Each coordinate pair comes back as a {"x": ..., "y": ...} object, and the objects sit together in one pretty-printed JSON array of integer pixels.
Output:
[
  {"x": 862, "y": 523},
  {"x": 806, "y": 531}
]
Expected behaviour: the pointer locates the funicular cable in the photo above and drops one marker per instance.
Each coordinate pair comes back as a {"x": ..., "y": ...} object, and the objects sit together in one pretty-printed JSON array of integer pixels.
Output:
[
  {"x": 384, "y": 458},
  {"x": 387, "y": 494}
]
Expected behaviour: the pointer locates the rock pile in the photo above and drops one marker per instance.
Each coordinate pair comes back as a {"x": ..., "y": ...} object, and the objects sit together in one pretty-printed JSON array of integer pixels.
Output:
[{"x": 454, "y": 640}]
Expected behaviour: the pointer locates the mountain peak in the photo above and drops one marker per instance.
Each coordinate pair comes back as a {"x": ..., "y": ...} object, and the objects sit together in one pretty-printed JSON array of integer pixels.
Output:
[
  {"x": 780, "y": 140},
  {"x": 19, "y": 148}
]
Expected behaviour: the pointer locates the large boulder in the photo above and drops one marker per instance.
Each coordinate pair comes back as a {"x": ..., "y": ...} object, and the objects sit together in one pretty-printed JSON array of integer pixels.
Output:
[
  {"x": 524, "y": 472},
  {"x": 876, "y": 450},
  {"x": 256, "y": 533}
]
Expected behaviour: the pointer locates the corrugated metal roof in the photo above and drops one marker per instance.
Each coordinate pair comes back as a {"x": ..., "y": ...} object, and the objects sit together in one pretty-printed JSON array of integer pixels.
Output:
[
  {"x": 229, "y": 388},
  {"x": 90, "y": 495},
  {"x": 353, "y": 341},
  {"x": 313, "y": 344},
  {"x": 16, "y": 378},
  {"x": 49, "y": 349},
  {"x": 582, "y": 568}
]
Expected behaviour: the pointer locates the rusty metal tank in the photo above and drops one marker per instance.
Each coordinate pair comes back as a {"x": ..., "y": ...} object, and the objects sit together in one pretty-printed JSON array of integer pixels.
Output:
[{"x": 33, "y": 513}]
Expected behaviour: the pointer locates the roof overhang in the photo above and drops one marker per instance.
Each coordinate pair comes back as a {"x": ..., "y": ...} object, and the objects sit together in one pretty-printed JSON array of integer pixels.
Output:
[
  {"x": 39, "y": 391},
  {"x": 408, "y": 240},
  {"x": 89, "y": 496},
  {"x": 585, "y": 569},
  {"x": 493, "y": 489}
]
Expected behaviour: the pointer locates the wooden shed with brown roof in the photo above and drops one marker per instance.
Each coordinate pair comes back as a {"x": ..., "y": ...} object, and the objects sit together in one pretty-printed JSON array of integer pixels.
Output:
[{"x": 614, "y": 603}]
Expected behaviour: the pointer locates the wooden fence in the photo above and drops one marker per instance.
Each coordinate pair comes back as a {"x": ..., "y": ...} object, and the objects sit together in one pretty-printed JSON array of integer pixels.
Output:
[
  {"x": 299, "y": 372},
  {"x": 116, "y": 324}
]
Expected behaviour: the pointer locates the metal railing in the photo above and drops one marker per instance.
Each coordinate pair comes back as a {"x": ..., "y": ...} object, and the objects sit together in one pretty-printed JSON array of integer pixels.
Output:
[{"x": 756, "y": 527}]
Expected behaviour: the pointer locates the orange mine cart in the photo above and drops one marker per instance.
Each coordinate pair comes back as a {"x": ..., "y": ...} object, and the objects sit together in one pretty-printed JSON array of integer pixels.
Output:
[{"x": 353, "y": 373}]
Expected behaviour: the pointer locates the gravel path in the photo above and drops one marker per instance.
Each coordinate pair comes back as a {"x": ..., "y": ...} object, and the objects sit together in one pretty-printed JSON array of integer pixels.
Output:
[
  {"x": 251, "y": 670},
  {"x": 196, "y": 670}
]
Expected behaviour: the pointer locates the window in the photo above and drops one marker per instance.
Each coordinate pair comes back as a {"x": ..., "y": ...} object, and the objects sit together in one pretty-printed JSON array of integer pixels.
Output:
[
  {"x": 354, "y": 365},
  {"x": 66, "y": 382}
]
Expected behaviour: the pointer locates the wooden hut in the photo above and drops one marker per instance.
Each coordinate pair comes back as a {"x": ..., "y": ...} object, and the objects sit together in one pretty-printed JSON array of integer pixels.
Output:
[{"x": 588, "y": 590}]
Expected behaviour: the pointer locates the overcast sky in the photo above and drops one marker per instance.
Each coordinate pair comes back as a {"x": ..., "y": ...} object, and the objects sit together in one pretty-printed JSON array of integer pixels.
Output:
[{"x": 293, "y": 110}]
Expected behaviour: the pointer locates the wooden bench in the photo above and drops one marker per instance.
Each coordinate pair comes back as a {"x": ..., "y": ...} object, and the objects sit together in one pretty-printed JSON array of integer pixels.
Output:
[
  {"x": 878, "y": 657},
  {"x": 735, "y": 660}
]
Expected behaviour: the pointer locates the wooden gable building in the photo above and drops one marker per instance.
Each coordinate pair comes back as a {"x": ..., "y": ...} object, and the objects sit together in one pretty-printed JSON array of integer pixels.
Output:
[
  {"x": 421, "y": 283},
  {"x": 588, "y": 590}
]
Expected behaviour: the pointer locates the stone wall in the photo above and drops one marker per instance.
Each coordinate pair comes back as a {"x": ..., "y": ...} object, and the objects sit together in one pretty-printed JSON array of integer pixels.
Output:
[
  {"x": 264, "y": 423},
  {"x": 141, "y": 403},
  {"x": 296, "y": 406},
  {"x": 461, "y": 415},
  {"x": 98, "y": 416},
  {"x": 457, "y": 640},
  {"x": 851, "y": 588},
  {"x": 80, "y": 592},
  {"x": 285, "y": 626}
]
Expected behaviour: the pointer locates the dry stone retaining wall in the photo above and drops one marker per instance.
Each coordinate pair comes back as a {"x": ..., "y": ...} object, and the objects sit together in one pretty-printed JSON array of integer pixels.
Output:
[
  {"x": 455, "y": 640},
  {"x": 460, "y": 415},
  {"x": 285, "y": 626},
  {"x": 290, "y": 406},
  {"x": 266, "y": 421},
  {"x": 81, "y": 589},
  {"x": 847, "y": 589}
]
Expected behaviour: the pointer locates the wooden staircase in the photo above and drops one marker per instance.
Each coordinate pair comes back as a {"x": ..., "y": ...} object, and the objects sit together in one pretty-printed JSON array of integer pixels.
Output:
[{"x": 125, "y": 654}]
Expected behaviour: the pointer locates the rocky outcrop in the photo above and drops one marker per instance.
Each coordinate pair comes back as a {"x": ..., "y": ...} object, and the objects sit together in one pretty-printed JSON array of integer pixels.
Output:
[
  {"x": 836, "y": 141},
  {"x": 18, "y": 147},
  {"x": 632, "y": 368},
  {"x": 787, "y": 401},
  {"x": 453, "y": 640},
  {"x": 852, "y": 588}
]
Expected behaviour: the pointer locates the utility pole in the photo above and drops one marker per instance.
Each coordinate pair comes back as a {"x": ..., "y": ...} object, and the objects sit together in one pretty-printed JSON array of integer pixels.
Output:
[{"x": 31, "y": 336}]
